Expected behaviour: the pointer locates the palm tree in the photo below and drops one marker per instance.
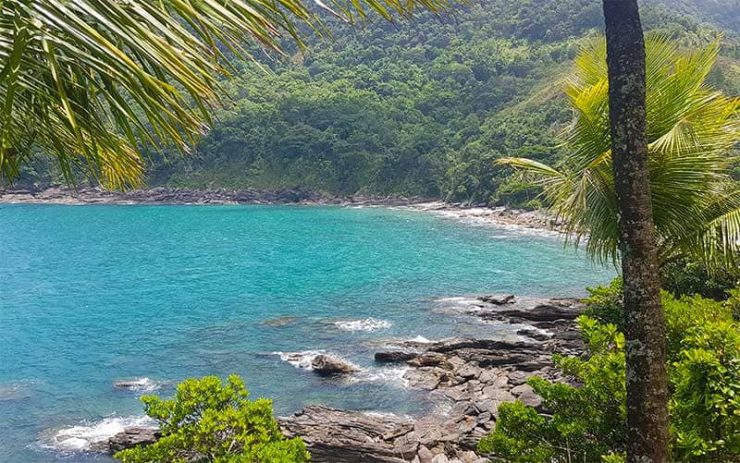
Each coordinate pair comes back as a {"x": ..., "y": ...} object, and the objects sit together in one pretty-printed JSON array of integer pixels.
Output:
[
  {"x": 691, "y": 131},
  {"x": 645, "y": 346},
  {"x": 648, "y": 176},
  {"x": 87, "y": 80}
]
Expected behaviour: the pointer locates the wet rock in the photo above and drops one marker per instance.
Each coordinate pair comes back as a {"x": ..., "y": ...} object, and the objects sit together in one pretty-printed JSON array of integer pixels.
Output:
[
  {"x": 132, "y": 437},
  {"x": 394, "y": 356},
  {"x": 535, "y": 334},
  {"x": 328, "y": 365},
  {"x": 498, "y": 299}
]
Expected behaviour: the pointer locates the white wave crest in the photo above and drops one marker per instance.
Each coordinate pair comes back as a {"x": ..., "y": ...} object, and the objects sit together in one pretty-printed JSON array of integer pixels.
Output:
[
  {"x": 94, "y": 436},
  {"x": 367, "y": 324},
  {"x": 138, "y": 385},
  {"x": 389, "y": 375},
  {"x": 421, "y": 340},
  {"x": 301, "y": 360}
]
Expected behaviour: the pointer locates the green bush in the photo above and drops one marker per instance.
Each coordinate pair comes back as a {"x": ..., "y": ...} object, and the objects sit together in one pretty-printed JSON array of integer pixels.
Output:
[
  {"x": 604, "y": 304},
  {"x": 587, "y": 423},
  {"x": 733, "y": 303},
  {"x": 215, "y": 422},
  {"x": 705, "y": 403},
  {"x": 685, "y": 277}
]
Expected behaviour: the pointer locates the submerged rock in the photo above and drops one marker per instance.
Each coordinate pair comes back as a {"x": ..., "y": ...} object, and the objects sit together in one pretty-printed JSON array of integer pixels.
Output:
[{"x": 280, "y": 321}]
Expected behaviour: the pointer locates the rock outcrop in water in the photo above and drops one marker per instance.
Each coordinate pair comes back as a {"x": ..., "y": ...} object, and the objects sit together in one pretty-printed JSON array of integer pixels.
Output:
[
  {"x": 132, "y": 437},
  {"x": 329, "y": 365},
  {"x": 468, "y": 379}
]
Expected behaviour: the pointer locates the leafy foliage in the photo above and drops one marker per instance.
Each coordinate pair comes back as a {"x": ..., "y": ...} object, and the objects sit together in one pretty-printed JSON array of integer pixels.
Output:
[
  {"x": 421, "y": 107},
  {"x": 213, "y": 421},
  {"x": 605, "y": 304},
  {"x": 684, "y": 276},
  {"x": 691, "y": 130},
  {"x": 588, "y": 423},
  {"x": 89, "y": 80}
]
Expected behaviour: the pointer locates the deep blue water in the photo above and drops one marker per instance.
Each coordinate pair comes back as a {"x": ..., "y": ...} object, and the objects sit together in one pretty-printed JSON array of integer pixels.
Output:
[{"x": 90, "y": 295}]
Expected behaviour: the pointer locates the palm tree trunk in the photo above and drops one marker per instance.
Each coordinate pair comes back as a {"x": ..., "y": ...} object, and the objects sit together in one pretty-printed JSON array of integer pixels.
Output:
[{"x": 647, "y": 391}]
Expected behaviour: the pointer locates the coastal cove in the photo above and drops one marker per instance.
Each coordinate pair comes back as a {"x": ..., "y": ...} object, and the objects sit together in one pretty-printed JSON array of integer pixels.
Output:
[{"x": 152, "y": 294}]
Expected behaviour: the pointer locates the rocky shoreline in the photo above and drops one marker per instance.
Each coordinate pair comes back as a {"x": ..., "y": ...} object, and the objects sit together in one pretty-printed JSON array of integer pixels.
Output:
[
  {"x": 467, "y": 378},
  {"x": 479, "y": 214}
]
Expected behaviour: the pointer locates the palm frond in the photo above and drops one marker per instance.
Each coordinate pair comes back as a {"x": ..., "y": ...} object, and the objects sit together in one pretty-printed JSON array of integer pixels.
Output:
[
  {"x": 88, "y": 80},
  {"x": 691, "y": 130}
]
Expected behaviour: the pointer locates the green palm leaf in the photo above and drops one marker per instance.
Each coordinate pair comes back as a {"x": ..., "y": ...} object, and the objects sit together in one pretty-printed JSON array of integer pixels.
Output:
[
  {"x": 692, "y": 131},
  {"x": 88, "y": 80}
]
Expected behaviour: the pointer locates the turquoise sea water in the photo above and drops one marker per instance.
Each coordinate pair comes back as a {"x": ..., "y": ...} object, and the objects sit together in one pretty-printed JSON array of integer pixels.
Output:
[{"x": 94, "y": 294}]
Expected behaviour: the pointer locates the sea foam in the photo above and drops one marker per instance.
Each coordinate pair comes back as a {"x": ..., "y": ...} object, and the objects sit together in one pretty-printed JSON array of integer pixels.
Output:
[
  {"x": 387, "y": 375},
  {"x": 142, "y": 384},
  {"x": 367, "y": 324},
  {"x": 93, "y": 435},
  {"x": 301, "y": 360}
]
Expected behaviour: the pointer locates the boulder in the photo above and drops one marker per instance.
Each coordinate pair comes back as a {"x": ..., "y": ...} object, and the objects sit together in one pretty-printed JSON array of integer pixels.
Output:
[
  {"x": 329, "y": 365},
  {"x": 527, "y": 396},
  {"x": 341, "y": 436},
  {"x": 428, "y": 359},
  {"x": 394, "y": 356},
  {"x": 132, "y": 437}
]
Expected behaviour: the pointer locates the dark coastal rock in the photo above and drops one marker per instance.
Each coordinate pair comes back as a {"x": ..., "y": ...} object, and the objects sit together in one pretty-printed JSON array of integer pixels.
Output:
[
  {"x": 132, "y": 437},
  {"x": 468, "y": 379},
  {"x": 534, "y": 334},
  {"x": 340, "y": 436},
  {"x": 498, "y": 299},
  {"x": 394, "y": 356},
  {"x": 328, "y": 365}
]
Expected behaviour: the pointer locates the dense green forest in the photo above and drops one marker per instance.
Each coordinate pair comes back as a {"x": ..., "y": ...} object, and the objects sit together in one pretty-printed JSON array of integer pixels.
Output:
[{"x": 421, "y": 107}]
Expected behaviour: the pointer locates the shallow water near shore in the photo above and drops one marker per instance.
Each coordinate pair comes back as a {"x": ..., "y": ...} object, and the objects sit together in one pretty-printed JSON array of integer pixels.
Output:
[{"x": 92, "y": 295}]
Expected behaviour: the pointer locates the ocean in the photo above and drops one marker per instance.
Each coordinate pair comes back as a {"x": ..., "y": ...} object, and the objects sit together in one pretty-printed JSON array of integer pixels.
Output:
[{"x": 91, "y": 295}]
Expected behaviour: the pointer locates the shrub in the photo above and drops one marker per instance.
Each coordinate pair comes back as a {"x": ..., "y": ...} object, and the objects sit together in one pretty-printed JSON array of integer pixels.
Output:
[
  {"x": 210, "y": 421},
  {"x": 685, "y": 277},
  {"x": 605, "y": 304},
  {"x": 587, "y": 423},
  {"x": 705, "y": 403}
]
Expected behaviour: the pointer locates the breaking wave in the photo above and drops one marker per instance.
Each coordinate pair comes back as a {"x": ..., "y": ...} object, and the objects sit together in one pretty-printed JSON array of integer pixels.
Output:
[
  {"x": 93, "y": 436},
  {"x": 367, "y": 324}
]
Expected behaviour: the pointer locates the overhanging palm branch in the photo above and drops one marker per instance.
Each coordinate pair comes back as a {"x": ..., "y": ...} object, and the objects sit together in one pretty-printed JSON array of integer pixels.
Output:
[
  {"x": 692, "y": 131},
  {"x": 89, "y": 79}
]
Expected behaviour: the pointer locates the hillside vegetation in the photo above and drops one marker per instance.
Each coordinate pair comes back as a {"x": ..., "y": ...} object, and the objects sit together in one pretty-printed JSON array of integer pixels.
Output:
[{"x": 420, "y": 107}]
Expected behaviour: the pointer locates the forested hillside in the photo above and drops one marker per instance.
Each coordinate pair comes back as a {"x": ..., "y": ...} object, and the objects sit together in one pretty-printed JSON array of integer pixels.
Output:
[{"x": 421, "y": 107}]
